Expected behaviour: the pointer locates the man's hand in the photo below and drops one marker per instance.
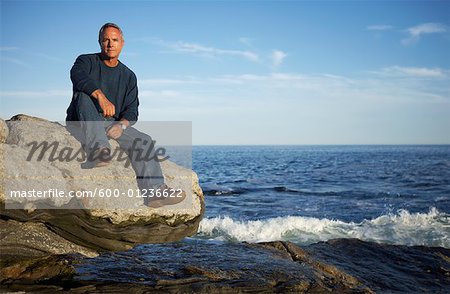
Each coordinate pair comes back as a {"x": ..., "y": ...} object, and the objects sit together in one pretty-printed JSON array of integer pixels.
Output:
[
  {"x": 108, "y": 108},
  {"x": 115, "y": 131}
]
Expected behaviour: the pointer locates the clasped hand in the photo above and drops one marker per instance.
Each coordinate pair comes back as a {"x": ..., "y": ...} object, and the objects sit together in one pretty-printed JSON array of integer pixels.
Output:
[{"x": 115, "y": 131}]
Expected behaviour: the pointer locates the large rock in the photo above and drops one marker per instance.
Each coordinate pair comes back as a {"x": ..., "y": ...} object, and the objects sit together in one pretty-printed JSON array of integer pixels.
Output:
[
  {"x": 4, "y": 131},
  {"x": 62, "y": 224}
]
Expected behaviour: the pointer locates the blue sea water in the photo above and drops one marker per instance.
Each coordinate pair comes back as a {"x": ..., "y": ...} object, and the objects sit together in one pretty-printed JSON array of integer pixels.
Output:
[{"x": 306, "y": 194}]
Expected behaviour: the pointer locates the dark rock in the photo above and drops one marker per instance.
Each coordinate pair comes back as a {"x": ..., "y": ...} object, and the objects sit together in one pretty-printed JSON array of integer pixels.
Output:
[
  {"x": 389, "y": 268},
  {"x": 196, "y": 266},
  {"x": 329, "y": 276},
  {"x": 38, "y": 270},
  {"x": 205, "y": 267},
  {"x": 25, "y": 240}
]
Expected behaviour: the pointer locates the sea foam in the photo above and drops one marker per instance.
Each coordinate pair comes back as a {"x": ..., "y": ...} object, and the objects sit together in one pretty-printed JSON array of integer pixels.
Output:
[{"x": 402, "y": 228}]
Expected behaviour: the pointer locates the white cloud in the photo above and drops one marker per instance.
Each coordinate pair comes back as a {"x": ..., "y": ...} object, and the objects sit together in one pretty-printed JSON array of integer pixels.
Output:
[
  {"x": 417, "y": 72},
  {"x": 380, "y": 27},
  {"x": 274, "y": 59},
  {"x": 202, "y": 50},
  {"x": 423, "y": 29},
  {"x": 278, "y": 57},
  {"x": 426, "y": 28}
]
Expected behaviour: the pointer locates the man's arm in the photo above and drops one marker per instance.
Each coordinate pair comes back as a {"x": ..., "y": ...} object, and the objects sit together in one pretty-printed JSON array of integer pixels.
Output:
[
  {"x": 131, "y": 103},
  {"x": 79, "y": 74},
  {"x": 82, "y": 82},
  {"x": 129, "y": 114},
  {"x": 108, "y": 108}
]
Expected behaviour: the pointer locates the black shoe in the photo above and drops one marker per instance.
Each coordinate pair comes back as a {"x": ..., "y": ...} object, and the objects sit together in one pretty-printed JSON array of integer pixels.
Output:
[
  {"x": 102, "y": 157},
  {"x": 167, "y": 196},
  {"x": 98, "y": 158}
]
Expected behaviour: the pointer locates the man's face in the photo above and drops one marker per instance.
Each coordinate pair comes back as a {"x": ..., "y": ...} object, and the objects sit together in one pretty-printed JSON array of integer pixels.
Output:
[{"x": 111, "y": 42}]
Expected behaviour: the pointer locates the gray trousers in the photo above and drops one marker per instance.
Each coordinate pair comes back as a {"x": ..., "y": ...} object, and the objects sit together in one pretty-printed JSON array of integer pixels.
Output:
[{"x": 87, "y": 125}]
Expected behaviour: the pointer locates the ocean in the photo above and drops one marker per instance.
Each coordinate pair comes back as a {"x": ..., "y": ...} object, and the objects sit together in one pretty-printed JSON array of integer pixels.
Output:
[{"x": 305, "y": 194}]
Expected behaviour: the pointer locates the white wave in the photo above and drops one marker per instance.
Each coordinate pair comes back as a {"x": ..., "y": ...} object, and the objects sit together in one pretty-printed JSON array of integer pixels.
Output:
[{"x": 403, "y": 228}]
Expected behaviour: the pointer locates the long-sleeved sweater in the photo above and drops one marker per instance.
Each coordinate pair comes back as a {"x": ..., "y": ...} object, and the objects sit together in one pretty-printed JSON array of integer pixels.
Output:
[{"x": 118, "y": 83}]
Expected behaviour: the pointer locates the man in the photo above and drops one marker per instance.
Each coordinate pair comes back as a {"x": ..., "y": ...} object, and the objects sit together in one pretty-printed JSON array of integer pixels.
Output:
[{"x": 105, "y": 105}]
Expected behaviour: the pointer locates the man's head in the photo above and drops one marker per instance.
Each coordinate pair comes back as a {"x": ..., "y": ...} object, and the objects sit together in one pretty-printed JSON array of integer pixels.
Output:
[{"x": 110, "y": 38}]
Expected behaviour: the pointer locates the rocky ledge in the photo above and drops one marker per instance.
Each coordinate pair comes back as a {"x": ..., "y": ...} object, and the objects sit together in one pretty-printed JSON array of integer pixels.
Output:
[
  {"x": 201, "y": 266},
  {"x": 63, "y": 225}
]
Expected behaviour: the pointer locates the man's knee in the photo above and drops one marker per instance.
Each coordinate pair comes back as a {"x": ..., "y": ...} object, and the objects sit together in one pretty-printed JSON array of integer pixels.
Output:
[
  {"x": 85, "y": 107},
  {"x": 83, "y": 101},
  {"x": 143, "y": 140},
  {"x": 135, "y": 139}
]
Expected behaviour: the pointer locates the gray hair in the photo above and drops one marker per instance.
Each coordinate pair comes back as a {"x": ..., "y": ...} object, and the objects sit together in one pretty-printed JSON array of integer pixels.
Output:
[{"x": 108, "y": 25}]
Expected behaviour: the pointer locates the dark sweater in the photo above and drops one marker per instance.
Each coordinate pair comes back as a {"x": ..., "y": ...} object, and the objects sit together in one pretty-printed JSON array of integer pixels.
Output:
[{"x": 118, "y": 83}]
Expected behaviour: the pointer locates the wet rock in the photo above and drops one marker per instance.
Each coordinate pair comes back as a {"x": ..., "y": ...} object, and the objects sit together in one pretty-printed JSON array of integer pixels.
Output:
[
  {"x": 388, "y": 268},
  {"x": 210, "y": 267},
  {"x": 192, "y": 266},
  {"x": 328, "y": 276},
  {"x": 38, "y": 270}
]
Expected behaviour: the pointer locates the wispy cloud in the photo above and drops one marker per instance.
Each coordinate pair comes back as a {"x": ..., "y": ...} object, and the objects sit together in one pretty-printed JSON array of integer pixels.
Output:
[
  {"x": 368, "y": 103},
  {"x": 270, "y": 59},
  {"x": 159, "y": 94},
  {"x": 278, "y": 57},
  {"x": 415, "y": 72},
  {"x": 36, "y": 94},
  {"x": 246, "y": 41},
  {"x": 49, "y": 57},
  {"x": 418, "y": 84},
  {"x": 15, "y": 61},
  {"x": 168, "y": 82},
  {"x": 23, "y": 53},
  {"x": 202, "y": 50},
  {"x": 380, "y": 27},
  {"x": 129, "y": 54},
  {"x": 416, "y": 32}
]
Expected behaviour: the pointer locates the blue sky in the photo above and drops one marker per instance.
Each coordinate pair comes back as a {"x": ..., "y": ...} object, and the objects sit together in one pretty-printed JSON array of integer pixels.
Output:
[{"x": 248, "y": 72}]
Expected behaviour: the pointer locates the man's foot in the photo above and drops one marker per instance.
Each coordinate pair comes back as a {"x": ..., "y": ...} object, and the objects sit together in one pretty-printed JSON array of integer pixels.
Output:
[
  {"x": 168, "y": 196},
  {"x": 98, "y": 158},
  {"x": 101, "y": 157}
]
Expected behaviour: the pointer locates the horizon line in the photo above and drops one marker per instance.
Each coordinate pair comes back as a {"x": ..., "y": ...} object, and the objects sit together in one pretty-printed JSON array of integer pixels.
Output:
[{"x": 327, "y": 144}]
